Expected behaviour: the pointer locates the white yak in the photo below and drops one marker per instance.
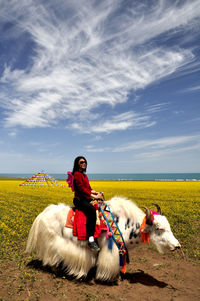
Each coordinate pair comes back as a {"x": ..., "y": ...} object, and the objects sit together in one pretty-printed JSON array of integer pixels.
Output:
[{"x": 55, "y": 244}]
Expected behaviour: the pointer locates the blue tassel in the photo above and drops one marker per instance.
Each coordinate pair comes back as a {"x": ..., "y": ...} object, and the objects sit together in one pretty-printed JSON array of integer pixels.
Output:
[
  {"x": 127, "y": 256},
  {"x": 121, "y": 260},
  {"x": 110, "y": 243}
]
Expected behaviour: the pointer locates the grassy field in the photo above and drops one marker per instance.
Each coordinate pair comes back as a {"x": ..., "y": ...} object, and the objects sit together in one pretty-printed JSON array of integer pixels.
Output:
[{"x": 179, "y": 202}]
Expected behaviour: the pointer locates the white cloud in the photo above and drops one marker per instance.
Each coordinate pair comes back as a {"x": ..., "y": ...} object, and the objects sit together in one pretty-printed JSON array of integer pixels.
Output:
[
  {"x": 118, "y": 122},
  {"x": 88, "y": 56},
  {"x": 97, "y": 138},
  {"x": 156, "y": 107},
  {"x": 12, "y": 134},
  {"x": 157, "y": 154},
  {"x": 36, "y": 112},
  {"x": 95, "y": 149},
  {"x": 154, "y": 149},
  {"x": 178, "y": 112},
  {"x": 162, "y": 143},
  {"x": 43, "y": 147},
  {"x": 193, "y": 89}
]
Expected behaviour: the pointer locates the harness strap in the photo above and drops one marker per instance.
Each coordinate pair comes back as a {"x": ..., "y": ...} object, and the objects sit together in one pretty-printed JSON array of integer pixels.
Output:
[{"x": 116, "y": 235}]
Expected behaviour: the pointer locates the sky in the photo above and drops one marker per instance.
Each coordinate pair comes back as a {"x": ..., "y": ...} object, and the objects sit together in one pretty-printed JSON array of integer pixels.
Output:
[{"x": 115, "y": 81}]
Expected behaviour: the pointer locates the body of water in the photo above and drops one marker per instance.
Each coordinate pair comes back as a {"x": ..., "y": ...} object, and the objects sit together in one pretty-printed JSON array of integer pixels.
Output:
[{"x": 122, "y": 177}]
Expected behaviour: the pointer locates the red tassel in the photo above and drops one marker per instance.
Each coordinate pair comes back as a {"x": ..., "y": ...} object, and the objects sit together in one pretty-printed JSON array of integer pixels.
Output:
[
  {"x": 123, "y": 269},
  {"x": 144, "y": 236}
]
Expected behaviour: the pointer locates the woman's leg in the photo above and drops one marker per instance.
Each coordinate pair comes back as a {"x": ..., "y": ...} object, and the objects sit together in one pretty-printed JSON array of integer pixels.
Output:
[{"x": 90, "y": 212}]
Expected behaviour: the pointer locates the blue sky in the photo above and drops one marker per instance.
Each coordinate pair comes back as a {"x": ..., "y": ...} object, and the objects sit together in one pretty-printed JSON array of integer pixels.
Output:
[{"x": 115, "y": 81}]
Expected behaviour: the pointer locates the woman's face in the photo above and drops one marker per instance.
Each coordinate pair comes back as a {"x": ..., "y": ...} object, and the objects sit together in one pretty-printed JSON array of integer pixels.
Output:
[{"x": 82, "y": 164}]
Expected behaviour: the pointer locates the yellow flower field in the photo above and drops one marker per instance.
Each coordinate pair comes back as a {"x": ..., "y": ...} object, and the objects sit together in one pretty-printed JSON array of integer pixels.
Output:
[{"x": 19, "y": 206}]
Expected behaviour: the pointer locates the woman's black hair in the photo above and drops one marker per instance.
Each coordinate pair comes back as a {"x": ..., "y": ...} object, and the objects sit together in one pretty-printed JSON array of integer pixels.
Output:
[{"x": 76, "y": 166}]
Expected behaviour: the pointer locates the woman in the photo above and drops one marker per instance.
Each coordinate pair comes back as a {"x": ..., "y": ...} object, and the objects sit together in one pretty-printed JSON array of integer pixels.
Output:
[{"x": 83, "y": 196}]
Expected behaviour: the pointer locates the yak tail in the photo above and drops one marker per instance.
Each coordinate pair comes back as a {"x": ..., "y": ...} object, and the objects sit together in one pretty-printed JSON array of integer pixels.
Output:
[
  {"x": 55, "y": 244},
  {"x": 35, "y": 231},
  {"x": 33, "y": 235}
]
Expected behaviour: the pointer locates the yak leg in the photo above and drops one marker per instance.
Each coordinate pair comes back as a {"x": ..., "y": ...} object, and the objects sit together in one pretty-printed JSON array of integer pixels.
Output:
[{"x": 108, "y": 268}]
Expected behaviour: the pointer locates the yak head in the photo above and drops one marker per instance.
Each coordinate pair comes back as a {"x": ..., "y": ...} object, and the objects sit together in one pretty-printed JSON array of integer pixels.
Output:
[{"x": 159, "y": 231}]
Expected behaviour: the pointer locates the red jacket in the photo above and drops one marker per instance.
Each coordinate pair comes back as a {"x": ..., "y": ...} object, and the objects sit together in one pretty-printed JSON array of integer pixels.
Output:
[{"x": 81, "y": 186}]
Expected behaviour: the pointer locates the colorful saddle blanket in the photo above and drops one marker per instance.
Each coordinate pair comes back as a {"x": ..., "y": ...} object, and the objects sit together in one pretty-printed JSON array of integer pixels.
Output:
[{"x": 76, "y": 220}]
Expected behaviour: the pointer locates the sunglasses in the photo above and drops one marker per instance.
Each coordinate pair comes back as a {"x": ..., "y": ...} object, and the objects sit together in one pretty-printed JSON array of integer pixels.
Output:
[{"x": 82, "y": 162}]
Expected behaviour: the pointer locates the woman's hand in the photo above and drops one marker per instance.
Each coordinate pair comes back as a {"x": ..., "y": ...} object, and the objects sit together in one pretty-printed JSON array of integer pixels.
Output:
[
  {"x": 94, "y": 192},
  {"x": 99, "y": 195}
]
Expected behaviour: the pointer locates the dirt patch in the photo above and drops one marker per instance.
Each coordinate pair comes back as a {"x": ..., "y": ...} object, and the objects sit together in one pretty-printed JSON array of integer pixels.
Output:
[{"x": 150, "y": 277}]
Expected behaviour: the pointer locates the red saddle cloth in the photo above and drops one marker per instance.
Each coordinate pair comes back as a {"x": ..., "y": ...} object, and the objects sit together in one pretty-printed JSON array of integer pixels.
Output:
[{"x": 77, "y": 221}]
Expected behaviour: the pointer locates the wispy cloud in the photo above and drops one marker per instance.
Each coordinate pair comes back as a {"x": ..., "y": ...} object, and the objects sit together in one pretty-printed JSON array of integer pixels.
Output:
[
  {"x": 95, "y": 149},
  {"x": 157, "y": 154},
  {"x": 157, "y": 148},
  {"x": 157, "y": 143},
  {"x": 156, "y": 108},
  {"x": 13, "y": 133},
  {"x": 84, "y": 57},
  {"x": 41, "y": 147},
  {"x": 193, "y": 120},
  {"x": 193, "y": 89},
  {"x": 118, "y": 122}
]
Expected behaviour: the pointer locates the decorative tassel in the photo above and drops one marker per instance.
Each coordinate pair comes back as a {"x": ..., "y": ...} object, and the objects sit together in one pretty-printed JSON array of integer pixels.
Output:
[
  {"x": 127, "y": 257},
  {"x": 110, "y": 242},
  {"x": 107, "y": 232},
  {"x": 121, "y": 260},
  {"x": 123, "y": 269},
  {"x": 144, "y": 236}
]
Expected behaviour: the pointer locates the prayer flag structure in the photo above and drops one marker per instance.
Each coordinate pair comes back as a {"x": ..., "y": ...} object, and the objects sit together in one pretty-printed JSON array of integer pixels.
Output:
[{"x": 42, "y": 179}]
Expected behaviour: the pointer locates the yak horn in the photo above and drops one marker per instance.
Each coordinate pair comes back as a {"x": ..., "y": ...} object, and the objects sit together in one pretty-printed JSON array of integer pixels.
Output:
[
  {"x": 158, "y": 208},
  {"x": 148, "y": 216}
]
